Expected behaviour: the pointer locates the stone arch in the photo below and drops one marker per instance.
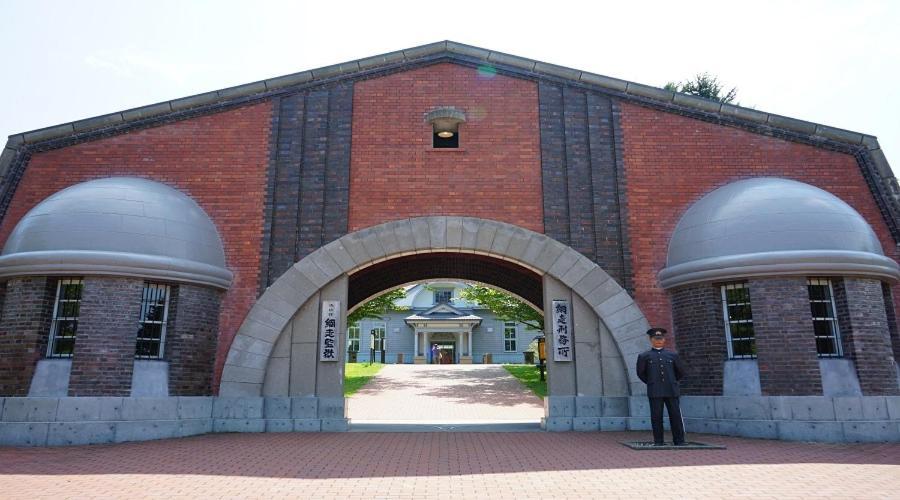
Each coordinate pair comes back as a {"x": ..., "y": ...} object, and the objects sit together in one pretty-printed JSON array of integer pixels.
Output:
[{"x": 244, "y": 371}]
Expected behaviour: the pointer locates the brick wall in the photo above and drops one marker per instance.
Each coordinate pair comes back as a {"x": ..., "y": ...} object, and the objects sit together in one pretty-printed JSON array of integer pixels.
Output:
[
  {"x": 219, "y": 160},
  {"x": 103, "y": 360},
  {"x": 310, "y": 175},
  {"x": 785, "y": 344},
  {"x": 671, "y": 161},
  {"x": 24, "y": 327},
  {"x": 891, "y": 313},
  {"x": 191, "y": 339},
  {"x": 581, "y": 179},
  {"x": 700, "y": 335},
  {"x": 495, "y": 174},
  {"x": 865, "y": 334}
]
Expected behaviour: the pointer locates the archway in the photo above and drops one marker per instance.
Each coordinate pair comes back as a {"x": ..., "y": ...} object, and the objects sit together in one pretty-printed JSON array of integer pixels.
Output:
[{"x": 262, "y": 351}]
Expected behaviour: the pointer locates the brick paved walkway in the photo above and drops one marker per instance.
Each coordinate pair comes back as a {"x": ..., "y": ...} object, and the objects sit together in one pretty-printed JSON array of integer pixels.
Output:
[
  {"x": 447, "y": 465},
  {"x": 445, "y": 393}
]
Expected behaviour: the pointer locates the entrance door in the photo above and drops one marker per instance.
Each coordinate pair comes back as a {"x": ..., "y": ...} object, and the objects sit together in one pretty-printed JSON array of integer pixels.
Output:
[{"x": 447, "y": 353}]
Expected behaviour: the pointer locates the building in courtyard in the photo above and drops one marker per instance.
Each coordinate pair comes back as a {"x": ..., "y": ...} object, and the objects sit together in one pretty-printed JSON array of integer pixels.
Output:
[
  {"x": 188, "y": 266},
  {"x": 435, "y": 324}
]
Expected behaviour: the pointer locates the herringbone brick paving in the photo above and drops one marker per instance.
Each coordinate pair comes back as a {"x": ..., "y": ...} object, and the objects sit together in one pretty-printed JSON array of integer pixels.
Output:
[{"x": 448, "y": 465}]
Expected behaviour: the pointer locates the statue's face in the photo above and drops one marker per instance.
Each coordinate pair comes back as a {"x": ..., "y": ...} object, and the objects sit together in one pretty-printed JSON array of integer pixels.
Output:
[{"x": 658, "y": 342}]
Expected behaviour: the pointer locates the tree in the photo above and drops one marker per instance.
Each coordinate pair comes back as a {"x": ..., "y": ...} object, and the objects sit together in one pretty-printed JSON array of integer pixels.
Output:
[
  {"x": 374, "y": 308},
  {"x": 704, "y": 85},
  {"x": 504, "y": 306}
]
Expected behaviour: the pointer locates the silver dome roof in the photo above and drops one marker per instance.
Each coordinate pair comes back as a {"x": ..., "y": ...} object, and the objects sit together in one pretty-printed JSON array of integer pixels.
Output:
[
  {"x": 772, "y": 226},
  {"x": 123, "y": 226}
]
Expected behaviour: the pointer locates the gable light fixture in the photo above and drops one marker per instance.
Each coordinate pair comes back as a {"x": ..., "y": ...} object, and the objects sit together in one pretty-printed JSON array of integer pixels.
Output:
[{"x": 445, "y": 122}]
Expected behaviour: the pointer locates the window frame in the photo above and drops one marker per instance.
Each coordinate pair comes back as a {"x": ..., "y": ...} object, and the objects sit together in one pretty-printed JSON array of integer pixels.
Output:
[
  {"x": 729, "y": 340},
  {"x": 376, "y": 326},
  {"x": 449, "y": 293},
  {"x": 515, "y": 336},
  {"x": 350, "y": 339},
  {"x": 833, "y": 321},
  {"x": 163, "y": 324},
  {"x": 54, "y": 322}
]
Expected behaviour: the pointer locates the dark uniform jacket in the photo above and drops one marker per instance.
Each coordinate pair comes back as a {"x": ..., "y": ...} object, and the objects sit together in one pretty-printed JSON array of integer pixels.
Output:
[{"x": 660, "y": 370}]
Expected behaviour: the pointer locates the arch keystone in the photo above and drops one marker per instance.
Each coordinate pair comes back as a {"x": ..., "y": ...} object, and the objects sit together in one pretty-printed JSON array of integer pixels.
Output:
[
  {"x": 454, "y": 232},
  {"x": 420, "y": 233},
  {"x": 437, "y": 230},
  {"x": 403, "y": 234},
  {"x": 470, "y": 229}
]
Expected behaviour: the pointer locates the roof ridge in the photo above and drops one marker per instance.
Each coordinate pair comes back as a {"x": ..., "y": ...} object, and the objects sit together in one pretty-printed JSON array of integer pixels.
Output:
[{"x": 449, "y": 48}]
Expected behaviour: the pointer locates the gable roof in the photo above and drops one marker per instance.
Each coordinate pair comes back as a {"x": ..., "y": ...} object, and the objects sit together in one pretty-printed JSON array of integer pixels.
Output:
[
  {"x": 884, "y": 184},
  {"x": 447, "y": 50},
  {"x": 443, "y": 312}
]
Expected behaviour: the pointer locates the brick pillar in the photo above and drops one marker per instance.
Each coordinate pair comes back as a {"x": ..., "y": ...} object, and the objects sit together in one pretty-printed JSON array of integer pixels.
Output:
[
  {"x": 700, "y": 337},
  {"x": 785, "y": 343},
  {"x": 865, "y": 334},
  {"x": 24, "y": 328},
  {"x": 191, "y": 335},
  {"x": 891, "y": 319},
  {"x": 107, "y": 332}
]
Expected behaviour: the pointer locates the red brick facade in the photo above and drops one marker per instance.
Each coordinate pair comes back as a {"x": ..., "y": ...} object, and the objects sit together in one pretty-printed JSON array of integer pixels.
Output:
[
  {"x": 663, "y": 162},
  {"x": 495, "y": 173},
  {"x": 219, "y": 160},
  {"x": 672, "y": 161}
]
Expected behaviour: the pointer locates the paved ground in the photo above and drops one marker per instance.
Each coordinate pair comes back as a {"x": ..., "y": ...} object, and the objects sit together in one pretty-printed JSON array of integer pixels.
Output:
[
  {"x": 447, "y": 465},
  {"x": 444, "y": 393}
]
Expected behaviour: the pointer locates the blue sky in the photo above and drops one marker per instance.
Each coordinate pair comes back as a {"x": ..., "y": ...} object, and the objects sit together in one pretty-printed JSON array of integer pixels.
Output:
[{"x": 836, "y": 63}]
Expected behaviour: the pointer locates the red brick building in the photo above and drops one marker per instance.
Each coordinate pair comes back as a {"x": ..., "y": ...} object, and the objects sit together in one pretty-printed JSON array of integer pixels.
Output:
[{"x": 185, "y": 249}]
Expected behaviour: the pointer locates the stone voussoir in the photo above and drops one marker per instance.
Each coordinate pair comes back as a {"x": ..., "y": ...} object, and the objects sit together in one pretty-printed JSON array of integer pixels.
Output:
[
  {"x": 484, "y": 238},
  {"x": 311, "y": 272},
  {"x": 502, "y": 239},
  {"x": 369, "y": 239},
  {"x": 421, "y": 234},
  {"x": 437, "y": 229}
]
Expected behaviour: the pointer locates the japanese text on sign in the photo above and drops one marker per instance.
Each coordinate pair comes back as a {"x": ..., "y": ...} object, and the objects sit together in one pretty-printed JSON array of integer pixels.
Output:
[
  {"x": 562, "y": 333},
  {"x": 328, "y": 342}
]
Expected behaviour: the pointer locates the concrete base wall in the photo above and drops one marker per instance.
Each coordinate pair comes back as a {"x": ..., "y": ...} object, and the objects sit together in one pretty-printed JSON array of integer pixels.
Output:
[
  {"x": 26, "y": 421},
  {"x": 788, "y": 418},
  {"x": 95, "y": 420},
  {"x": 796, "y": 418}
]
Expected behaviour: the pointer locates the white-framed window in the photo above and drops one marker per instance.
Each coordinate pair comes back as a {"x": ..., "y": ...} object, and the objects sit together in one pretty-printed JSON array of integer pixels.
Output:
[
  {"x": 824, "y": 317},
  {"x": 377, "y": 335},
  {"x": 509, "y": 336},
  {"x": 353, "y": 338},
  {"x": 64, "y": 326},
  {"x": 443, "y": 296},
  {"x": 151, "y": 334},
  {"x": 739, "y": 335}
]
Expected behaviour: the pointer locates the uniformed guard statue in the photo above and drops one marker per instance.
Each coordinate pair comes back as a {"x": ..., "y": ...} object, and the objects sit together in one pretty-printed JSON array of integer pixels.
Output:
[{"x": 661, "y": 370}]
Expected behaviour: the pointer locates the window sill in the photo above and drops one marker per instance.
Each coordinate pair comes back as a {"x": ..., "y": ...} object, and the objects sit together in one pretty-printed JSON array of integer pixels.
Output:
[{"x": 445, "y": 150}]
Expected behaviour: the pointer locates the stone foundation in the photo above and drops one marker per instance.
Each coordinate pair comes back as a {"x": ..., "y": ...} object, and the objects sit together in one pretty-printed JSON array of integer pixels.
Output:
[{"x": 94, "y": 420}]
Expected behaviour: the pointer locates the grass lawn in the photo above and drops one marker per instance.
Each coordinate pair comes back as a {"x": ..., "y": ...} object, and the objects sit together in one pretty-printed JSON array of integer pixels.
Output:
[
  {"x": 357, "y": 375},
  {"x": 530, "y": 376}
]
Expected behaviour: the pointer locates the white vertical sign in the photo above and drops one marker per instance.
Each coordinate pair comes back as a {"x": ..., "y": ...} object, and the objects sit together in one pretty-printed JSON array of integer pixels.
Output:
[
  {"x": 328, "y": 332},
  {"x": 562, "y": 331}
]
